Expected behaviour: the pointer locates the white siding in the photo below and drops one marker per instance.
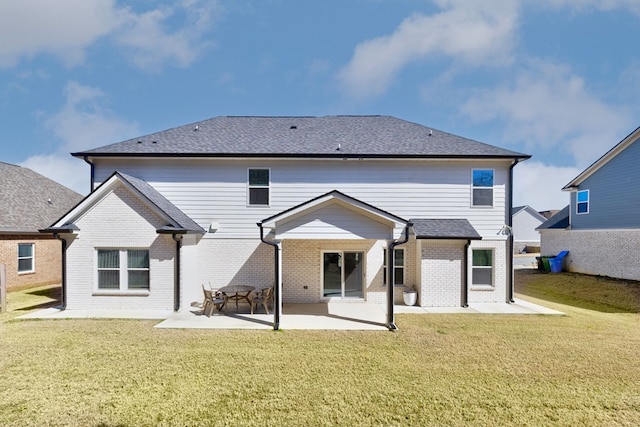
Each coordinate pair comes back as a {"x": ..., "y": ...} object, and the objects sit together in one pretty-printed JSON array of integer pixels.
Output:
[
  {"x": 524, "y": 227},
  {"x": 334, "y": 222},
  {"x": 216, "y": 190}
]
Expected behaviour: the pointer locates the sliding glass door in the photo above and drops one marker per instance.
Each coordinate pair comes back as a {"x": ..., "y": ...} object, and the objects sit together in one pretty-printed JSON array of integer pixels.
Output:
[{"x": 342, "y": 275}]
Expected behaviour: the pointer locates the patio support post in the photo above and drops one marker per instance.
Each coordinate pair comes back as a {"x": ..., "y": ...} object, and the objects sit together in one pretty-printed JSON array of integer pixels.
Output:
[
  {"x": 391, "y": 276},
  {"x": 465, "y": 276},
  {"x": 63, "y": 290},
  {"x": 176, "y": 273},
  {"x": 277, "y": 287}
]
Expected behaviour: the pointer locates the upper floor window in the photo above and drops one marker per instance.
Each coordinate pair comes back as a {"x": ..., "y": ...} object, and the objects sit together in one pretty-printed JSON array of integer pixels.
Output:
[
  {"x": 398, "y": 267},
  {"x": 582, "y": 202},
  {"x": 482, "y": 187},
  {"x": 482, "y": 267},
  {"x": 123, "y": 269},
  {"x": 25, "y": 258},
  {"x": 259, "y": 187}
]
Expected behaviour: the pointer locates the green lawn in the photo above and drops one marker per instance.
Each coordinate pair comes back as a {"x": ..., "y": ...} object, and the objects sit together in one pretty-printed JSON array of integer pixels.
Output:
[{"x": 529, "y": 370}]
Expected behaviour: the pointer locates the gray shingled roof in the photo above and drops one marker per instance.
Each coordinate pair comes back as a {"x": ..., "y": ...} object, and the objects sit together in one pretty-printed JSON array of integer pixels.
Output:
[
  {"x": 444, "y": 229},
  {"x": 29, "y": 201},
  {"x": 559, "y": 221},
  {"x": 330, "y": 136},
  {"x": 161, "y": 202}
]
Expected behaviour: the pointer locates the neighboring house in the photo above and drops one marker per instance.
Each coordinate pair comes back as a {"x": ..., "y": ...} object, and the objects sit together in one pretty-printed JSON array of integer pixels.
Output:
[
  {"x": 318, "y": 206},
  {"x": 29, "y": 202},
  {"x": 525, "y": 220},
  {"x": 601, "y": 226}
]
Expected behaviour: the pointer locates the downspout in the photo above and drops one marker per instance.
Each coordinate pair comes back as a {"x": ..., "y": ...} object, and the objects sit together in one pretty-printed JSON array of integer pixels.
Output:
[
  {"x": 510, "y": 236},
  {"x": 276, "y": 288},
  {"x": 465, "y": 276},
  {"x": 93, "y": 173},
  {"x": 391, "y": 276},
  {"x": 63, "y": 293},
  {"x": 176, "y": 269}
]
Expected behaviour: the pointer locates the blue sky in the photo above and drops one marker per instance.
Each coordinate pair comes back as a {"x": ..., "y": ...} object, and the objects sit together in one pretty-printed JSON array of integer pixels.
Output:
[{"x": 558, "y": 79}]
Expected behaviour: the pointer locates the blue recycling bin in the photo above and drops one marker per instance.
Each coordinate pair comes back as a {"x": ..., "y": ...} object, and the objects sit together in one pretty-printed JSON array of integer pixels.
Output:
[{"x": 555, "y": 263}]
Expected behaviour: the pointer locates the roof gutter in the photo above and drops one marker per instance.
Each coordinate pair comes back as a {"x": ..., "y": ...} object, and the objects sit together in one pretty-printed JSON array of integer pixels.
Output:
[
  {"x": 391, "y": 275},
  {"x": 176, "y": 235},
  {"x": 276, "y": 288},
  {"x": 93, "y": 173},
  {"x": 510, "y": 235}
]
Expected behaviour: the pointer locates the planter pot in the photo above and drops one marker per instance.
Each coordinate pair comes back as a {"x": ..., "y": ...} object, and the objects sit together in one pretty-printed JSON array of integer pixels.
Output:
[{"x": 409, "y": 297}]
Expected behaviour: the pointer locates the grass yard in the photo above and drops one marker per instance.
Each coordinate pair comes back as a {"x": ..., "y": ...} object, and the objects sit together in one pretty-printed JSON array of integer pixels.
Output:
[{"x": 522, "y": 370}]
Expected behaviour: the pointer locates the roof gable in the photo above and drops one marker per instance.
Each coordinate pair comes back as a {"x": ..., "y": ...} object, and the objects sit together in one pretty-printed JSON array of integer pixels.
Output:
[
  {"x": 329, "y": 136},
  {"x": 179, "y": 222},
  {"x": 331, "y": 197},
  {"x": 528, "y": 209},
  {"x": 559, "y": 221},
  {"x": 606, "y": 158}
]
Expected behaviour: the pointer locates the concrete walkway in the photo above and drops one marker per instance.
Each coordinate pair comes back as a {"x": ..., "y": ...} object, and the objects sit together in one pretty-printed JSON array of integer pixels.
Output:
[{"x": 330, "y": 316}]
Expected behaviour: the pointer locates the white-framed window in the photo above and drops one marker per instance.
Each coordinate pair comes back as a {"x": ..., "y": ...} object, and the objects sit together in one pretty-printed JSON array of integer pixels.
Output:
[
  {"x": 582, "y": 202},
  {"x": 123, "y": 269},
  {"x": 482, "y": 267},
  {"x": 26, "y": 260},
  {"x": 398, "y": 267},
  {"x": 482, "y": 187},
  {"x": 258, "y": 187}
]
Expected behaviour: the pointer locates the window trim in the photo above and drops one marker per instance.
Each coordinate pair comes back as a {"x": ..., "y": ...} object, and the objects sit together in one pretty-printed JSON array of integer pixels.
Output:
[
  {"x": 123, "y": 270},
  {"x": 491, "y": 285},
  {"x": 587, "y": 202},
  {"x": 250, "y": 186},
  {"x": 32, "y": 258},
  {"x": 492, "y": 188},
  {"x": 396, "y": 267}
]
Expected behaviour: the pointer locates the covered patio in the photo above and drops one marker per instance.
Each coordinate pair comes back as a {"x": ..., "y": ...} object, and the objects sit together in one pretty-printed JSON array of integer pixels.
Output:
[{"x": 334, "y": 218}]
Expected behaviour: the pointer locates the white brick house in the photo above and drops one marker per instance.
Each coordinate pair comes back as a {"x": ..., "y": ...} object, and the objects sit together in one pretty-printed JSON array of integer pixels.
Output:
[{"x": 317, "y": 207}]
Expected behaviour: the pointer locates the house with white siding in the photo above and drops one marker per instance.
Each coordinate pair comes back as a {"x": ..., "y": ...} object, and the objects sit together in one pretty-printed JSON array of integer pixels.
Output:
[
  {"x": 336, "y": 208},
  {"x": 601, "y": 226},
  {"x": 525, "y": 220}
]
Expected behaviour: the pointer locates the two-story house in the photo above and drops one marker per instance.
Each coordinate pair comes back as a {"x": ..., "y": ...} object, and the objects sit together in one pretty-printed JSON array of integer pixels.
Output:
[
  {"x": 340, "y": 208},
  {"x": 601, "y": 226}
]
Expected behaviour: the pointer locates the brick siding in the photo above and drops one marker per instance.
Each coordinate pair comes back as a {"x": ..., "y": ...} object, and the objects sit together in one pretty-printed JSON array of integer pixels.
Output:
[
  {"x": 120, "y": 220},
  {"x": 612, "y": 253},
  {"x": 47, "y": 261}
]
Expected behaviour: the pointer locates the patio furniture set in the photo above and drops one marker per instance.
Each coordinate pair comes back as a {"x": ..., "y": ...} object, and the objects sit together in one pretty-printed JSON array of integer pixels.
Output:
[{"x": 219, "y": 298}]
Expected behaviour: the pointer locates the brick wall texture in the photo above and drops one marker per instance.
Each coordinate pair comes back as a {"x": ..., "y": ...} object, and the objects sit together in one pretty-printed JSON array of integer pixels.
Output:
[
  {"x": 47, "y": 261},
  {"x": 120, "y": 220},
  {"x": 612, "y": 253}
]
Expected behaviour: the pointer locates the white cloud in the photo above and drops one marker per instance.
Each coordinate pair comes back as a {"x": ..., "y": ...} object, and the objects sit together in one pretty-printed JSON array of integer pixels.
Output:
[
  {"x": 83, "y": 122},
  {"x": 550, "y": 109},
  {"x": 539, "y": 185},
  {"x": 67, "y": 28},
  {"x": 592, "y": 5},
  {"x": 488, "y": 36},
  {"x": 63, "y": 27},
  {"x": 150, "y": 45}
]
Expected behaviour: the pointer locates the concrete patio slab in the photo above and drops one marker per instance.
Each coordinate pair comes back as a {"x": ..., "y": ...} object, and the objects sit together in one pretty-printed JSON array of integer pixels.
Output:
[{"x": 330, "y": 316}]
